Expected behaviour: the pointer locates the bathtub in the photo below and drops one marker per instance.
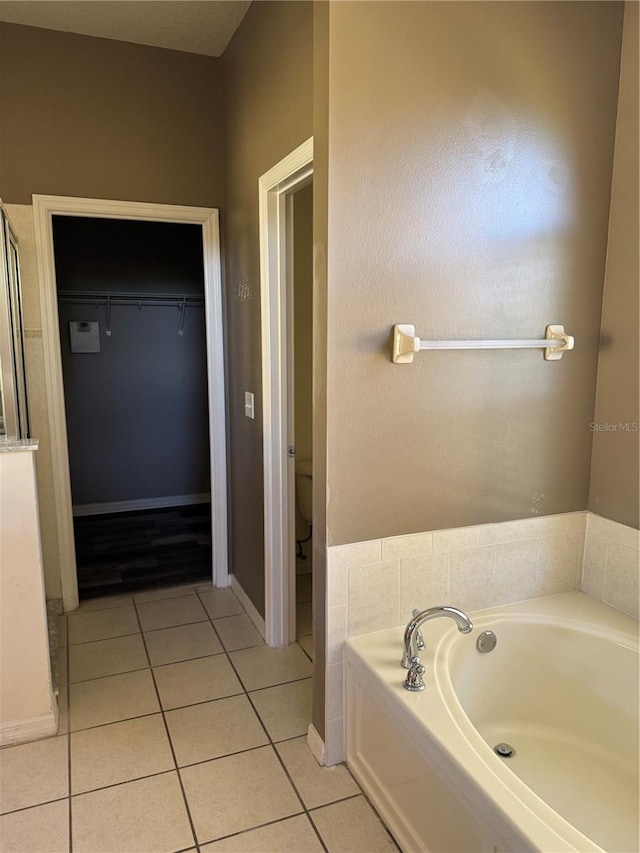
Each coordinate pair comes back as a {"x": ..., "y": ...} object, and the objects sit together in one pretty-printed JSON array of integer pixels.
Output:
[{"x": 561, "y": 687}]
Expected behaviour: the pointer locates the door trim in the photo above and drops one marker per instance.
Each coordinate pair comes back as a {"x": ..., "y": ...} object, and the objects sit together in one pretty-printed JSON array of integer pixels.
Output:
[
  {"x": 44, "y": 208},
  {"x": 287, "y": 176}
]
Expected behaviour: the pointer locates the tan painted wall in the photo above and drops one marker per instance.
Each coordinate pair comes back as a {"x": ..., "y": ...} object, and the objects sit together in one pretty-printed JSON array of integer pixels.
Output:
[
  {"x": 91, "y": 117},
  {"x": 470, "y": 155},
  {"x": 98, "y": 118},
  {"x": 267, "y": 91},
  {"x": 614, "y": 474},
  {"x": 303, "y": 318},
  {"x": 320, "y": 237}
]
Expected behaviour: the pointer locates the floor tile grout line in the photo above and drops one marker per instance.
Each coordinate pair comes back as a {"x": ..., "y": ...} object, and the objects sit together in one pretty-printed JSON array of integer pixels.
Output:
[
  {"x": 252, "y": 828},
  {"x": 34, "y": 805},
  {"x": 124, "y": 782},
  {"x": 304, "y": 650},
  {"x": 244, "y": 691},
  {"x": 270, "y": 742},
  {"x": 68, "y": 690},
  {"x": 102, "y": 639},
  {"x": 168, "y": 734}
]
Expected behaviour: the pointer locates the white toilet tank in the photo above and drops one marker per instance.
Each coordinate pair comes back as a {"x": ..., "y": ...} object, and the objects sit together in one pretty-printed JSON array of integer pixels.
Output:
[{"x": 304, "y": 488}]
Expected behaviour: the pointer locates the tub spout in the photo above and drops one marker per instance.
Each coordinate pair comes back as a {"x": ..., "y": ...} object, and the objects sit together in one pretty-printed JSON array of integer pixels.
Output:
[{"x": 411, "y": 632}]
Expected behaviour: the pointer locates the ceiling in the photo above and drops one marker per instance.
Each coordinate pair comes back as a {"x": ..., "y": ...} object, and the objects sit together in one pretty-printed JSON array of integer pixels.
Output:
[{"x": 195, "y": 26}]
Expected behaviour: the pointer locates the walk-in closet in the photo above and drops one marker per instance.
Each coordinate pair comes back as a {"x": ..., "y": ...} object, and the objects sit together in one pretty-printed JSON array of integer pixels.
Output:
[{"x": 131, "y": 306}]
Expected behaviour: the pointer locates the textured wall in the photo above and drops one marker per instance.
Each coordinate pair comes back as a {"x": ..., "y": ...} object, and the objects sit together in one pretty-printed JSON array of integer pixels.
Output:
[
  {"x": 97, "y": 118},
  {"x": 303, "y": 318},
  {"x": 614, "y": 474},
  {"x": 267, "y": 92},
  {"x": 470, "y": 155}
]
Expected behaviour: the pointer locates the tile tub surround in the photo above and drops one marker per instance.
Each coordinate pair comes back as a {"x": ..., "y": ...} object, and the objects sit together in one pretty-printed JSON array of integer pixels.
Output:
[
  {"x": 376, "y": 584},
  {"x": 611, "y": 563}
]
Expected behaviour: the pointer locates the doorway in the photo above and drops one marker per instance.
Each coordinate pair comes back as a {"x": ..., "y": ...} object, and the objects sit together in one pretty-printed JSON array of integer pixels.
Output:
[
  {"x": 46, "y": 208},
  {"x": 277, "y": 190},
  {"x": 300, "y": 365},
  {"x": 133, "y": 345}
]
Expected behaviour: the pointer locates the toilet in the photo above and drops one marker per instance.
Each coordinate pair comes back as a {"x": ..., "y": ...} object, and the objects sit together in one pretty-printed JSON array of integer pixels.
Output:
[{"x": 304, "y": 490}]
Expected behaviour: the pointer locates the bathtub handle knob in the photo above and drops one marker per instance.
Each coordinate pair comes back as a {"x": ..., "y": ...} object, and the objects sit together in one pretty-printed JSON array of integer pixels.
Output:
[{"x": 414, "y": 680}]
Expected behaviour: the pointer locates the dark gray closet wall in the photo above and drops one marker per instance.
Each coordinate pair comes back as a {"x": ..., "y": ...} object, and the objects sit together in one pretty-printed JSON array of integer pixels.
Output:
[{"x": 137, "y": 412}]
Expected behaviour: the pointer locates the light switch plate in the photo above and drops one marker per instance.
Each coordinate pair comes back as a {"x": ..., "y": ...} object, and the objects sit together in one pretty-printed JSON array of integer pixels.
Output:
[{"x": 248, "y": 404}]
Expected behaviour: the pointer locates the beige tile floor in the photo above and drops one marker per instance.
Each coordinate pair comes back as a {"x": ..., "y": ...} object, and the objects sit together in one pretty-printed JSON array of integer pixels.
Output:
[{"x": 180, "y": 731}]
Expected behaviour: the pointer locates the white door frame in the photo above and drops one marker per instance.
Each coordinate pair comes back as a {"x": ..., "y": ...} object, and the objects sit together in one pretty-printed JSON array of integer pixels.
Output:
[
  {"x": 44, "y": 208},
  {"x": 287, "y": 176}
]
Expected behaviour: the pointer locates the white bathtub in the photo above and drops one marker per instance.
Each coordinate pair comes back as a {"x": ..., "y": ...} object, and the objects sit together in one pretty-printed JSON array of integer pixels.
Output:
[{"x": 561, "y": 687}]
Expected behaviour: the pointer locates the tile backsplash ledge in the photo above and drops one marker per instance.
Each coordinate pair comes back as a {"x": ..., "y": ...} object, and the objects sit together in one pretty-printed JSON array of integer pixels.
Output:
[{"x": 376, "y": 584}]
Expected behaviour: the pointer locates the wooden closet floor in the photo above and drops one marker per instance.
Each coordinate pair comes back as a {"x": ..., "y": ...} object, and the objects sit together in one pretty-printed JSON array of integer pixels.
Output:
[{"x": 139, "y": 550}]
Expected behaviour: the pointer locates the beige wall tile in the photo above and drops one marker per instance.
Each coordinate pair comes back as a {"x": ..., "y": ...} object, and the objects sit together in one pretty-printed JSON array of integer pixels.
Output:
[
  {"x": 456, "y": 538},
  {"x": 334, "y": 706},
  {"x": 337, "y": 575},
  {"x": 621, "y": 588},
  {"x": 334, "y": 741},
  {"x": 424, "y": 582},
  {"x": 120, "y": 752},
  {"x": 336, "y": 633},
  {"x": 374, "y": 597},
  {"x": 614, "y": 531},
  {"x": 595, "y": 565},
  {"x": 359, "y": 553},
  {"x": 559, "y": 563},
  {"x": 515, "y": 574},
  {"x": 548, "y": 525},
  {"x": 398, "y": 547},
  {"x": 471, "y": 577},
  {"x": 575, "y": 522},
  {"x": 507, "y": 531},
  {"x": 148, "y": 814}
]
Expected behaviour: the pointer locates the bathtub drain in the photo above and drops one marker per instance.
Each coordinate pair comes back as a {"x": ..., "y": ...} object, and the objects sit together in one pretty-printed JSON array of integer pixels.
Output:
[{"x": 504, "y": 750}]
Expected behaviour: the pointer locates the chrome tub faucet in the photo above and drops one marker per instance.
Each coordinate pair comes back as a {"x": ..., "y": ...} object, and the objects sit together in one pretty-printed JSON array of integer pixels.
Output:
[{"x": 413, "y": 641}]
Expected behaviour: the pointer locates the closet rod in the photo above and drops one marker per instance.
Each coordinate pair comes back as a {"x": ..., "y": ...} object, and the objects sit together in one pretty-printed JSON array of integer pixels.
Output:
[{"x": 90, "y": 297}]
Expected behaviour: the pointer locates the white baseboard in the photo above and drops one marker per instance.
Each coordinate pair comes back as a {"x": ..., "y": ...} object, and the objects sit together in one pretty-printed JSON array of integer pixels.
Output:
[
  {"x": 248, "y": 605},
  {"x": 315, "y": 744},
  {"x": 20, "y": 731},
  {"x": 142, "y": 503}
]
